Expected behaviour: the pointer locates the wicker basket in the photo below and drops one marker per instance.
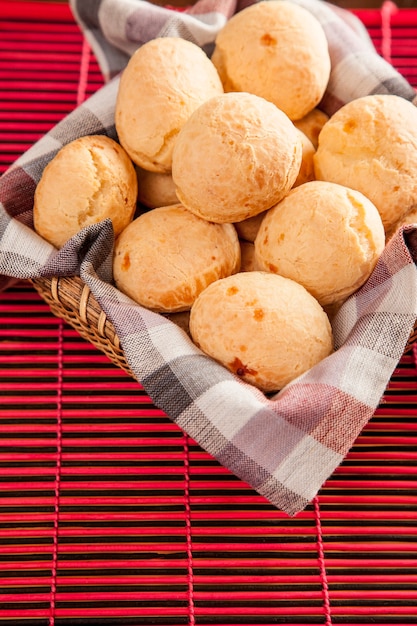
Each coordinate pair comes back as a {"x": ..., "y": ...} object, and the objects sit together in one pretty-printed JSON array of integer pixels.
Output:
[{"x": 72, "y": 300}]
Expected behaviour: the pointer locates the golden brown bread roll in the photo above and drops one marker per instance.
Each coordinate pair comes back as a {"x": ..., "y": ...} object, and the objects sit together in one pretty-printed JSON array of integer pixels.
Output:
[
  {"x": 165, "y": 80},
  {"x": 168, "y": 255},
  {"x": 155, "y": 189},
  {"x": 306, "y": 173},
  {"x": 409, "y": 218},
  {"x": 370, "y": 144},
  {"x": 264, "y": 328},
  {"x": 277, "y": 50},
  {"x": 247, "y": 256},
  {"x": 89, "y": 179},
  {"x": 236, "y": 156},
  {"x": 311, "y": 125},
  {"x": 248, "y": 229},
  {"x": 324, "y": 236}
]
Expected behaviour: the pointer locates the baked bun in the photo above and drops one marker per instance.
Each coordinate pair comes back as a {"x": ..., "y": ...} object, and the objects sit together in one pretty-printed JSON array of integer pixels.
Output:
[
  {"x": 155, "y": 189},
  {"x": 265, "y": 328},
  {"x": 248, "y": 229},
  {"x": 247, "y": 256},
  {"x": 409, "y": 218},
  {"x": 306, "y": 173},
  {"x": 167, "y": 256},
  {"x": 236, "y": 156},
  {"x": 311, "y": 125},
  {"x": 370, "y": 144},
  {"x": 324, "y": 236},
  {"x": 290, "y": 46},
  {"x": 164, "y": 81},
  {"x": 89, "y": 179}
]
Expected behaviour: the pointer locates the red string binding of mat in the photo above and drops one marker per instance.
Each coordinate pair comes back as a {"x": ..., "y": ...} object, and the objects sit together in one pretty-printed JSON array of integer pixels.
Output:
[
  {"x": 322, "y": 563},
  {"x": 189, "y": 544},
  {"x": 57, "y": 486}
]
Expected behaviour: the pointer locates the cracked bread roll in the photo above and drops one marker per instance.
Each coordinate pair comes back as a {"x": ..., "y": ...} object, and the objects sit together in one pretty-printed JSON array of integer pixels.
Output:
[
  {"x": 370, "y": 144},
  {"x": 236, "y": 156},
  {"x": 164, "y": 81},
  {"x": 324, "y": 236},
  {"x": 248, "y": 229},
  {"x": 264, "y": 328},
  {"x": 290, "y": 46},
  {"x": 88, "y": 180},
  {"x": 167, "y": 256}
]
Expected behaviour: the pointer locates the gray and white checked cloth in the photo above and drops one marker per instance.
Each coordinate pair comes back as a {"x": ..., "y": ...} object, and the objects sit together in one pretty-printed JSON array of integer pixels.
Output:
[{"x": 285, "y": 446}]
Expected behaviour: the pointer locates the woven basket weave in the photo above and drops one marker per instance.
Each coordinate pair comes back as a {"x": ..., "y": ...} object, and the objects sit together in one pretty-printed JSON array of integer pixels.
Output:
[{"x": 72, "y": 300}]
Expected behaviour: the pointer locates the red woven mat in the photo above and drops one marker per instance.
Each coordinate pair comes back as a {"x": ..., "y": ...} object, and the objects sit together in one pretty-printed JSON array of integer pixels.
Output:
[{"x": 109, "y": 515}]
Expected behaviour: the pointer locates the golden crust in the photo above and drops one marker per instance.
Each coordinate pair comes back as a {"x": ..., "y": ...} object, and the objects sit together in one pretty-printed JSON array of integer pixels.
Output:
[
  {"x": 247, "y": 256},
  {"x": 290, "y": 46},
  {"x": 165, "y": 80},
  {"x": 235, "y": 157},
  {"x": 89, "y": 179},
  {"x": 306, "y": 173},
  {"x": 311, "y": 125},
  {"x": 167, "y": 256},
  {"x": 370, "y": 145},
  {"x": 264, "y": 328},
  {"x": 248, "y": 229},
  {"x": 324, "y": 236},
  {"x": 155, "y": 189}
]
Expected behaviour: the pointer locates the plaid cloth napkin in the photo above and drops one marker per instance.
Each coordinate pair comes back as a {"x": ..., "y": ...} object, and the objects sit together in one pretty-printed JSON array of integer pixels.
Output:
[{"x": 284, "y": 446}]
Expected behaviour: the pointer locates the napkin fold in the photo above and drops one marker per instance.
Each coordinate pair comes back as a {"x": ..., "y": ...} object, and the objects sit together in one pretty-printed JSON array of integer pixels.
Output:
[{"x": 284, "y": 446}]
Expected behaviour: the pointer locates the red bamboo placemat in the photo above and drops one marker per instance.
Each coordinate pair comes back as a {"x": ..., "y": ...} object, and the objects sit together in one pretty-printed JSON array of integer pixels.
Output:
[{"x": 109, "y": 514}]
